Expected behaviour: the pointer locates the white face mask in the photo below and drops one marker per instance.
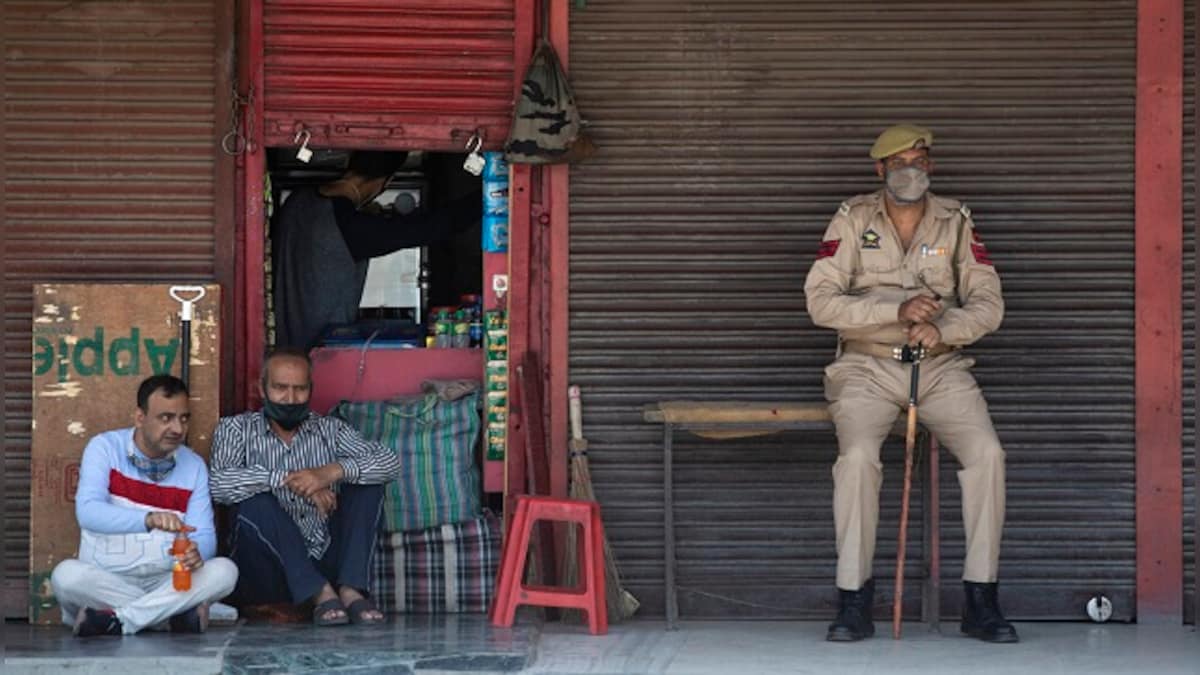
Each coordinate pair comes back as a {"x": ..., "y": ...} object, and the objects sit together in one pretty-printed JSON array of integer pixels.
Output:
[{"x": 907, "y": 185}]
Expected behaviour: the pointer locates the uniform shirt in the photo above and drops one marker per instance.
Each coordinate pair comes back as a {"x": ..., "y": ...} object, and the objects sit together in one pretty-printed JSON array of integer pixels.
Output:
[
  {"x": 248, "y": 458},
  {"x": 863, "y": 274},
  {"x": 113, "y": 498}
]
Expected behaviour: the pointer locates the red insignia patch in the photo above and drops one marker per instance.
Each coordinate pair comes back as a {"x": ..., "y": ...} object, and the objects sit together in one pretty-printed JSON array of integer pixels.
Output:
[
  {"x": 981, "y": 254},
  {"x": 828, "y": 249}
]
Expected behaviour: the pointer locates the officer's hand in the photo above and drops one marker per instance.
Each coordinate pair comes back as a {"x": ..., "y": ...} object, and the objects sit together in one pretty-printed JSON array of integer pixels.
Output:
[
  {"x": 919, "y": 309},
  {"x": 925, "y": 334},
  {"x": 166, "y": 521}
]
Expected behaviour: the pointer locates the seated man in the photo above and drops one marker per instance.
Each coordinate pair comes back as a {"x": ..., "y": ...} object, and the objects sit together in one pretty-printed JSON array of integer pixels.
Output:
[
  {"x": 137, "y": 488},
  {"x": 308, "y": 493}
]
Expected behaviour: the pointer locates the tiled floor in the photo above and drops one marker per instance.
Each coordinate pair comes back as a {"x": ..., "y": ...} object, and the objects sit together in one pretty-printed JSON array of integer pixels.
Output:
[
  {"x": 429, "y": 646},
  {"x": 459, "y": 644},
  {"x": 765, "y": 648}
]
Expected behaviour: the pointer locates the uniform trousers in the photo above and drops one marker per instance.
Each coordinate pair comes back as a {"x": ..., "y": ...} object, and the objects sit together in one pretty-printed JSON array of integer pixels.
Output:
[
  {"x": 272, "y": 555},
  {"x": 866, "y": 394},
  {"x": 139, "y": 601}
]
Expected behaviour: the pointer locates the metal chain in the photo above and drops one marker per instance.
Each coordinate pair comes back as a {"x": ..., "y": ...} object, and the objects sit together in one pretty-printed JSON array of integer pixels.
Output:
[{"x": 235, "y": 142}]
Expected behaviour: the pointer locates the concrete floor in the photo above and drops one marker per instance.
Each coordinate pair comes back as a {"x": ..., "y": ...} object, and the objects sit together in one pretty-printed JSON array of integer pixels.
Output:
[
  {"x": 468, "y": 645},
  {"x": 765, "y": 648}
]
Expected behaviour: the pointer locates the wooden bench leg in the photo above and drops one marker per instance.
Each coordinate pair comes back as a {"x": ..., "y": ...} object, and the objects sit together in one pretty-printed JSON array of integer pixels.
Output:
[{"x": 669, "y": 528}]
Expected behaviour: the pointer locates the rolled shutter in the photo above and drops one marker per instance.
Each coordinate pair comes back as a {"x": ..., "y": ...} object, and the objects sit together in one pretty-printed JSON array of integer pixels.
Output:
[
  {"x": 404, "y": 74},
  {"x": 108, "y": 176},
  {"x": 729, "y": 134}
]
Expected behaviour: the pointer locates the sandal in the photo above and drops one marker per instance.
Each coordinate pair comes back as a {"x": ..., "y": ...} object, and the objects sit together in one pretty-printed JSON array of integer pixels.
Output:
[
  {"x": 322, "y": 611},
  {"x": 359, "y": 608}
]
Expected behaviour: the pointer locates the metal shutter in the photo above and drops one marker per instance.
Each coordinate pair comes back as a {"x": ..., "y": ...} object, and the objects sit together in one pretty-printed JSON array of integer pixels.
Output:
[
  {"x": 728, "y": 135},
  {"x": 1190, "y": 225},
  {"x": 403, "y": 74},
  {"x": 108, "y": 176}
]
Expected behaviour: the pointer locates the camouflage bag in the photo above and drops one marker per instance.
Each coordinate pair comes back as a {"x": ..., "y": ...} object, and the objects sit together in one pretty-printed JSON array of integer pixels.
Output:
[{"x": 546, "y": 128}]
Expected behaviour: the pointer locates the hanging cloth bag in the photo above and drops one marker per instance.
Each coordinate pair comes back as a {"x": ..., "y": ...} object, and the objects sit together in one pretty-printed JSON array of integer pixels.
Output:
[{"x": 546, "y": 128}]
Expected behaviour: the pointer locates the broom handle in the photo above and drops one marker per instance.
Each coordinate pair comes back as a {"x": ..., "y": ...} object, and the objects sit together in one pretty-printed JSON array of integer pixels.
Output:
[{"x": 575, "y": 406}]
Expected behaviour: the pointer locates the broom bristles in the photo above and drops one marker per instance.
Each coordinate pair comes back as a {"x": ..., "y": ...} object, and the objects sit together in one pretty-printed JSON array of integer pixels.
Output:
[{"x": 621, "y": 603}]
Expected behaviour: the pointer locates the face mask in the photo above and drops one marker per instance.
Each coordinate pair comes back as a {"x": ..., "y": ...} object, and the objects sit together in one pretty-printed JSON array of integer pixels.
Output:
[
  {"x": 154, "y": 469},
  {"x": 907, "y": 185},
  {"x": 287, "y": 415}
]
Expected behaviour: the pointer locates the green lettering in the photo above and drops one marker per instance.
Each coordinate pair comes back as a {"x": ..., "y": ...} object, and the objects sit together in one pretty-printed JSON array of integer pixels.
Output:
[
  {"x": 96, "y": 346},
  {"x": 161, "y": 357},
  {"x": 123, "y": 356},
  {"x": 43, "y": 357},
  {"x": 63, "y": 360}
]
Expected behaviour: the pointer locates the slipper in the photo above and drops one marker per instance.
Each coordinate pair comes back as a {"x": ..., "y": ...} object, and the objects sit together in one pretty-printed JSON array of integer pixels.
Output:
[
  {"x": 324, "y": 608},
  {"x": 361, "y": 606}
]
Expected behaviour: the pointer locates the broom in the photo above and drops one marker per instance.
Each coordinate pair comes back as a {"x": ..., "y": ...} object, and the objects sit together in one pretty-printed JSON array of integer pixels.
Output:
[{"x": 621, "y": 603}]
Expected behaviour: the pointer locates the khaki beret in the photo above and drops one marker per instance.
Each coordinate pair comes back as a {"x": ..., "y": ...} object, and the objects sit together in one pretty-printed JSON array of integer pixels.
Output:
[{"x": 901, "y": 137}]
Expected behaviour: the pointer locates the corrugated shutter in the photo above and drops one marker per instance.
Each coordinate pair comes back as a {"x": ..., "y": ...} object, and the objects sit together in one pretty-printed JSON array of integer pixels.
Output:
[
  {"x": 728, "y": 135},
  {"x": 108, "y": 177},
  {"x": 405, "y": 74}
]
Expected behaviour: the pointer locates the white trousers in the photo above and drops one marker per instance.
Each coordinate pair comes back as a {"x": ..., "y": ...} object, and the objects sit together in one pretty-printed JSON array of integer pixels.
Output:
[{"x": 139, "y": 601}]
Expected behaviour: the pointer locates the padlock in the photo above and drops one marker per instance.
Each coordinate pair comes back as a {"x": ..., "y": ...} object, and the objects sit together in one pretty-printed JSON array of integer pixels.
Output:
[
  {"x": 303, "y": 154},
  {"x": 474, "y": 162}
]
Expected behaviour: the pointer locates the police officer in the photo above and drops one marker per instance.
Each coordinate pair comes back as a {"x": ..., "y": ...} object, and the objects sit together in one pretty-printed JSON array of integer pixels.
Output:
[{"x": 902, "y": 266}]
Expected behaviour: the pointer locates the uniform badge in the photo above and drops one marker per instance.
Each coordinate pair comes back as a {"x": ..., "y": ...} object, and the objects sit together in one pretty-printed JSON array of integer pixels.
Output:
[
  {"x": 870, "y": 239},
  {"x": 979, "y": 250},
  {"x": 828, "y": 248}
]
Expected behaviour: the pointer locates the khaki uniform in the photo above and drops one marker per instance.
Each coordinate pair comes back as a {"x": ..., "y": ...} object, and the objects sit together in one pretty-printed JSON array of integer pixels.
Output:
[{"x": 860, "y": 278}]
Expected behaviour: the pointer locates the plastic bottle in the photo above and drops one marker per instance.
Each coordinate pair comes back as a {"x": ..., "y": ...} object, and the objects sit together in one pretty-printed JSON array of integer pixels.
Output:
[{"x": 181, "y": 577}]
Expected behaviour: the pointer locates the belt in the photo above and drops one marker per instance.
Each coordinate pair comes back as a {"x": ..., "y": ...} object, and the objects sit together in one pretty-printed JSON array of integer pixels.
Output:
[{"x": 883, "y": 351}]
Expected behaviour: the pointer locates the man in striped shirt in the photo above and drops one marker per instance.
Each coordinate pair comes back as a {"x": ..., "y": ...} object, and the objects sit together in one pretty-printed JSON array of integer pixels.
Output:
[{"x": 308, "y": 491}]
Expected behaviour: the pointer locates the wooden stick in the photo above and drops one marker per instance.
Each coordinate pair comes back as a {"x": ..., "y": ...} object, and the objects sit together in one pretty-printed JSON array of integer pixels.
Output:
[
  {"x": 910, "y": 445},
  {"x": 910, "y": 441}
]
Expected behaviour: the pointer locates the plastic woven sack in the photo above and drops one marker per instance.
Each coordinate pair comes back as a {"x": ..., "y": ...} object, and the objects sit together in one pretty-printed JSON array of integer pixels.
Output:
[{"x": 439, "y": 480}]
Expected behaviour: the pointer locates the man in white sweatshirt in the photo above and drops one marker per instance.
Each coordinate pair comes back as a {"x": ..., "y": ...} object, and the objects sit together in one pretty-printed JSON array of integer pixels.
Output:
[{"x": 138, "y": 487}]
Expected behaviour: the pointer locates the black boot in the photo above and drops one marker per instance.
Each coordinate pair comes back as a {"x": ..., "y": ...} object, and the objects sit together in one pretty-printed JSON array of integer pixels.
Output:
[
  {"x": 853, "y": 621},
  {"x": 981, "y": 614}
]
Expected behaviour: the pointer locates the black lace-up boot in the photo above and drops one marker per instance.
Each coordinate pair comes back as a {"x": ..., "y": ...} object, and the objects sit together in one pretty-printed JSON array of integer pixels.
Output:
[
  {"x": 853, "y": 621},
  {"x": 981, "y": 614}
]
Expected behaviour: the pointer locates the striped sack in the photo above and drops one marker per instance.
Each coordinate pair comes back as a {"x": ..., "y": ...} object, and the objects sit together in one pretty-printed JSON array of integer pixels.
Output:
[
  {"x": 439, "y": 480},
  {"x": 448, "y": 569}
]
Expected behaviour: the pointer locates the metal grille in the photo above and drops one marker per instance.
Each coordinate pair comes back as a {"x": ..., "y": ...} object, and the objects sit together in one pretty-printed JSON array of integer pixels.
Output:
[
  {"x": 728, "y": 135},
  {"x": 108, "y": 169},
  {"x": 403, "y": 74}
]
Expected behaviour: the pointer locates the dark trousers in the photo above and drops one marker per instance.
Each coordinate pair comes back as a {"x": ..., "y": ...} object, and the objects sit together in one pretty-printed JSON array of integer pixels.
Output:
[{"x": 273, "y": 561}]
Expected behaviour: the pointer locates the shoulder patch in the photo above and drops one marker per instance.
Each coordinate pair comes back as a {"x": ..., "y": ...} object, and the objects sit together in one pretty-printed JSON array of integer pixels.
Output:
[
  {"x": 965, "y": 211},
  {"x": 844, "y": 209}
]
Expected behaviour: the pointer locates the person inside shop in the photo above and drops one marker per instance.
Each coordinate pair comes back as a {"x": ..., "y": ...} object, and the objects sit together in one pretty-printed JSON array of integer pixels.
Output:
[
  {"x": 902, "y": 266},
  {"x": 307, "y": 492},
  {"x": 324, "y": 237},
  {"x": 139, "y": 489}
]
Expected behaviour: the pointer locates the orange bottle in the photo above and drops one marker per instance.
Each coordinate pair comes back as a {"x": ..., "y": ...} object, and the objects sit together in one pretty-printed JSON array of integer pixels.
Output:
[{"x": 181, "y": 577}]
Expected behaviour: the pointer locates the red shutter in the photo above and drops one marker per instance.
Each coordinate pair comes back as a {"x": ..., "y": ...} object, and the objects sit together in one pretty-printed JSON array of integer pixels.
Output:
[{"x": 402, "y": 74}]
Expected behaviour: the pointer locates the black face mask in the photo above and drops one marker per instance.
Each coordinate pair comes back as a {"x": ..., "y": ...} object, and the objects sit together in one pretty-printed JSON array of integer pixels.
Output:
[{"x": 287, "y": 415}]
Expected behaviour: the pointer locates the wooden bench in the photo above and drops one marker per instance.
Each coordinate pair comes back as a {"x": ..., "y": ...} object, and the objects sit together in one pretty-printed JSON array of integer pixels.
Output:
[{"x": 717, "y": 417}]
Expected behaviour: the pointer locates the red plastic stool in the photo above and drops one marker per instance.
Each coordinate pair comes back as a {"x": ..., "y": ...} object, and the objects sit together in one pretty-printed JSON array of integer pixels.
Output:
[{"x": 588, "y": 594}]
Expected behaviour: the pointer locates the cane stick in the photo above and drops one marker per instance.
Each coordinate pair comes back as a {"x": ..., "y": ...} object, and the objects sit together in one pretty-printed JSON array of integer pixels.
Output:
[
  {"x": 910, "y": 444},
  {"x": 187, "y": 297}
]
